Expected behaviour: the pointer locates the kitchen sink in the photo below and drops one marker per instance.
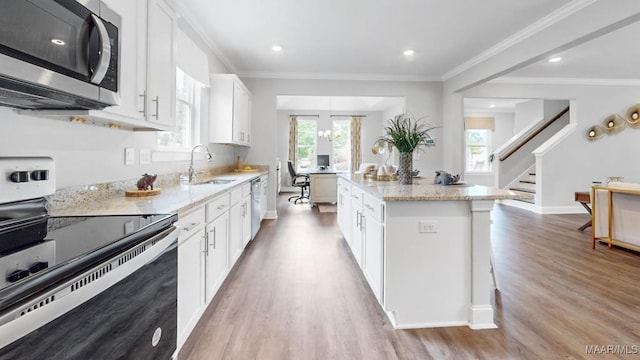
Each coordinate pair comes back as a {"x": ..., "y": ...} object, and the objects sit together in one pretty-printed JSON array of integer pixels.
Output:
[{"x": 218, "y": 181}]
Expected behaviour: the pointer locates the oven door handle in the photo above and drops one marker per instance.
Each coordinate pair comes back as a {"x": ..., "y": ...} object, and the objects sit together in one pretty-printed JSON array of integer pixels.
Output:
[{"x": 105, "y": 51}]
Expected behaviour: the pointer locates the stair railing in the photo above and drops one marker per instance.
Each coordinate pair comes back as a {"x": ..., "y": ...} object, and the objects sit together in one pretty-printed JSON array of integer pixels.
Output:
[{"x": 534, "y": 132}]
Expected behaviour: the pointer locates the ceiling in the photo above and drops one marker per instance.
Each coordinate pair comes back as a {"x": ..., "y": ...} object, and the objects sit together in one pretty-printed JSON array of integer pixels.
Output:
[
  {"x": 612, "y": 56},
  {"x": 359, "y": 37},
  {"x": 338, "y": 103}
]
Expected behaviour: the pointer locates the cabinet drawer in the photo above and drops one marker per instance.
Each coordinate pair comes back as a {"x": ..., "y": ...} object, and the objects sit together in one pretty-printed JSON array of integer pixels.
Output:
[
  {"x": 235, "y": 196},
  {"x": 217, "y": 207},
  {"x": 191, "y": 222},
  {"x": 373, "y": 207},
  {"x": 246, "y": 189},
  {"x": 356, "y": 194}
]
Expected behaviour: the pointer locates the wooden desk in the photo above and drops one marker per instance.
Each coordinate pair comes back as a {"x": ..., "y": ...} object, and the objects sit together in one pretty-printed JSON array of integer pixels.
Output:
[{"x": 584, "y": 198}]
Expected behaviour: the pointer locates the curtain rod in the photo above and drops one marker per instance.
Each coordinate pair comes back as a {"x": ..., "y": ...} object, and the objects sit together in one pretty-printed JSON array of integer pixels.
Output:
[
  {"x": 306, "y": 115},
  {"x": 348, "y": 115}
]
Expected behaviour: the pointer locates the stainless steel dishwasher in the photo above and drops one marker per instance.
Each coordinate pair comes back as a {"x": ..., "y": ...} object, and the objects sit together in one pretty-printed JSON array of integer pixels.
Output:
[{"x": 255, "y": 207}]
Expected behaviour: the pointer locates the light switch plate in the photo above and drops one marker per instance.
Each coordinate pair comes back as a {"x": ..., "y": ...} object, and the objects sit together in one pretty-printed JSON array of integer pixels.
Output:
[
  {"x": 145, "y": 156},
  {"x": 129, "y": 154}
]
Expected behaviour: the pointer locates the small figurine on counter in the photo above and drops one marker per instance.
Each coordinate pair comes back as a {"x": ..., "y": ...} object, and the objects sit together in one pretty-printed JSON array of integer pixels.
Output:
[
  {"x": 146, "y": 182},
  {"x": 444, "y": 178}
]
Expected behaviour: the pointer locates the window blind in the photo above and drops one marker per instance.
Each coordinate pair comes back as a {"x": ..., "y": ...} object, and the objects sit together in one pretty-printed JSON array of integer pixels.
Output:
[{"x": 479, "y": 123}]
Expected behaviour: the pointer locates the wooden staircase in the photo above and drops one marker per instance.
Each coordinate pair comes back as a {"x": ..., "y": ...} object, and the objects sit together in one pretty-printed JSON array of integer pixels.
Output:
[{"x": 526, "y": 184}]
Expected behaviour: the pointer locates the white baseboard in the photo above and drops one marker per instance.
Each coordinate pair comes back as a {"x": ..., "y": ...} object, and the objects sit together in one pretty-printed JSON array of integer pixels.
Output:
[
  {"x": 571, "y": 209},
  {"x": 481, "y": 317},
  {"x": 396, "y": 326},
  {"x": 271, "y": 215}
]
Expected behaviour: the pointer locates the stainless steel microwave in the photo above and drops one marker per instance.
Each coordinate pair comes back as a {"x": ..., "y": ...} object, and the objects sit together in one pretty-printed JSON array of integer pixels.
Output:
[{"x": 59, "y": 54}]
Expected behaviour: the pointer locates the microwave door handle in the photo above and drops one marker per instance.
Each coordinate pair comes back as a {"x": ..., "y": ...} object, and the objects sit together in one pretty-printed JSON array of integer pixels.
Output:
[{"x": 105, "y": 53}]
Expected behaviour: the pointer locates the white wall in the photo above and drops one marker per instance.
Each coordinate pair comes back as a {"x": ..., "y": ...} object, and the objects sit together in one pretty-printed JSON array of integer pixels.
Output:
[
  {"x": 576, "y": 162},
  {"x": 422, "y": 99},
  {"x": 526, "y": 113},
  {"x": 87, "y": 154}
]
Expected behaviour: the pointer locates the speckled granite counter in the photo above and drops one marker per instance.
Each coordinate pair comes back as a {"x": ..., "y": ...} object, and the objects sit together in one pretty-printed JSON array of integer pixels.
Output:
[
  {"x": 175, "y": 198},
  {"x": 423, "y": 189}
]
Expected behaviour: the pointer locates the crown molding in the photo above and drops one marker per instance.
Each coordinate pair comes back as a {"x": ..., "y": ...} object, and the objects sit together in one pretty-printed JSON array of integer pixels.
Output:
[
  {"x": 338, "y": 76},
  {"x": 187, "y": 15},
  {"x": 565, "y": 81},
  {"x": 553, "y": 18}
]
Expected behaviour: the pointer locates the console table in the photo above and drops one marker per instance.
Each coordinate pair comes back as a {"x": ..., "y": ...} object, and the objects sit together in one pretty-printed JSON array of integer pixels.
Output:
[{"x": 584, "y": 198}]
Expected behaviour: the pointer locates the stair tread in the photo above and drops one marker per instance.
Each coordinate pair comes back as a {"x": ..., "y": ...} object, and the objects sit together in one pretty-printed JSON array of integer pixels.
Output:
[
  {"x": 532, "y": 174},
  {"x": 529, "y": 191},
  {"x": 527, "y": 181},
  {"x": 530, "y": 201}
]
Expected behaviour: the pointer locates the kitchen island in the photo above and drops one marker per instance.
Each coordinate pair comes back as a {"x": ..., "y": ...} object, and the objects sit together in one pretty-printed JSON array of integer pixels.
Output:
[{"x": 424, "y": 248}]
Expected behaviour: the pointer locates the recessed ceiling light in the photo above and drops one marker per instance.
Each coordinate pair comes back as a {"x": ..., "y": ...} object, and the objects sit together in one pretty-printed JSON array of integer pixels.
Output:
[
  {"x": 409, "y": 52},
  {"x": 555, "y": 59},
  {"x": 276, "y": 48},
  {"x": 492, "y": 106},
  {"x": 57, "y": 41}
]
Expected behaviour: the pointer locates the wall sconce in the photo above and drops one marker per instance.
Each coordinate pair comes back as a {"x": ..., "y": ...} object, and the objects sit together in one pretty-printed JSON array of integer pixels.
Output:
[{"x": 613, "y": 124}]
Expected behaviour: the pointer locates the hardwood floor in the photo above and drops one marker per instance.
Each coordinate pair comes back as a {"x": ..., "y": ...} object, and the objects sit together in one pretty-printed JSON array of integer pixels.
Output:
[{"x": 297, "y": 293}]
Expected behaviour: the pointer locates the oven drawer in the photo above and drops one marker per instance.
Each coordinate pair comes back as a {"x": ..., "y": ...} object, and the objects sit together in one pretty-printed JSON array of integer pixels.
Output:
[{"x": 217, "y": 207}]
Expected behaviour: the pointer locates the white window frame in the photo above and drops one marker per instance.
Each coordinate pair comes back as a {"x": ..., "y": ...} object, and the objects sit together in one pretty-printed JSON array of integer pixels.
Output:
[
  {"x": 194, "y": 101},
  {"x": 473, "y": 169}
]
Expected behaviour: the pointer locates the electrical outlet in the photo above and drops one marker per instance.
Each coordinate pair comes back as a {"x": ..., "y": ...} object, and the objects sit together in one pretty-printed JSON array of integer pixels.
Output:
[
  {"x": 129, "y": 154},
  {"x": 428, "y": 226},
  {"x": 145, "y": 156}
]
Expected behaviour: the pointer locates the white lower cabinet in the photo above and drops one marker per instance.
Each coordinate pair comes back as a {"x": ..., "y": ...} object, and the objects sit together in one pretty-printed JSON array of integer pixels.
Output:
[
  {"x": 362, "y": 221},
  {"x": 356, "y": 215},
  {"x": 212, "y": 238},
  {"x": 217, "y": 250},
  {"x": 235, "y": 226},
  {"x": 343, "y": 208},
  {"x": 191, "y": 267},
  {"x": 373, "y": 239},
  {"x": 246, "y": 221}
]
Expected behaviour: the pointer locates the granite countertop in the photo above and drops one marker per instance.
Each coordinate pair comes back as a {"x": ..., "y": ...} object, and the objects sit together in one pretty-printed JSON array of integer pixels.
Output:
[
  {"x": 174, "y": 198},
  {"x": 423, "y": 189}
]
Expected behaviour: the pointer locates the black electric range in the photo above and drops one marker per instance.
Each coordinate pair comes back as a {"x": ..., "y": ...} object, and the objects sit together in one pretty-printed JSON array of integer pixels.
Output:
[{"x": 78, "y": 287}]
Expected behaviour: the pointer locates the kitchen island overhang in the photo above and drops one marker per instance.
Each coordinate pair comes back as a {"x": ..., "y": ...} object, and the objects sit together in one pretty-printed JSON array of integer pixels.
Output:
[{"x": 435, "y": 249}]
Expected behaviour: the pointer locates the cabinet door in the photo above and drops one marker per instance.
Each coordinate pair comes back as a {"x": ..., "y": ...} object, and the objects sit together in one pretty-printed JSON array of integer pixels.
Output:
[
  {"x": 217, "y": 254},
  {"x": 132, "y": 58},
  {"x": 247, "y": 126},
  {"x": 373, "y": 259},
  {"x": 239, "y": 113},
  {"x": 235, "y": 232},
  {"x": 160, "y": 65},
  {"x": 191, "y": 297},
  {"x": 356, "y": 230},
  {"x": 246, "y": 221}
]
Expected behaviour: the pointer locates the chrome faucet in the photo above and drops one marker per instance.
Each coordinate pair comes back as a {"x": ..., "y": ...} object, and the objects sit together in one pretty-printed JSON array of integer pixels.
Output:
[{"x": 192, "y": 172}]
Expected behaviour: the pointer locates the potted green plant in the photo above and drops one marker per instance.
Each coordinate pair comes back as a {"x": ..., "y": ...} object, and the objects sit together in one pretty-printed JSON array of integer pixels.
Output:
[{"x": 406, "y": 134}]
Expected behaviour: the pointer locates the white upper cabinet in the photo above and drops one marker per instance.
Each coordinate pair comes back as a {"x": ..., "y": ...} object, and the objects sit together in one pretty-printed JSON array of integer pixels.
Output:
[
  {"x": 230, "y": 114},
  {"x": 147, "y": 68},
  {"x": 132, "y": 82},
  {"x": 160, "y": 95}
]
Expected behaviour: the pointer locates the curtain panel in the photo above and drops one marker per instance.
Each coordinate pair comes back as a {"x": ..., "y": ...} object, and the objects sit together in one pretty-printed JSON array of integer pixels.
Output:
[
  {"x": 293, "y": 139},
  {"x": 356, "y": 151}
]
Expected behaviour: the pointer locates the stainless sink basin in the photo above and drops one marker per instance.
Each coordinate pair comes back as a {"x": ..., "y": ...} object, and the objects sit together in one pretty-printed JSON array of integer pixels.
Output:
[{"x": 218, "y": 181}]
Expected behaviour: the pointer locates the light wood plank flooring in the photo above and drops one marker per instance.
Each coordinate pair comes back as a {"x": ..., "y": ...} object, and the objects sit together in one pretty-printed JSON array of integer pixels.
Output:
[{"x": 297, "y": 293}]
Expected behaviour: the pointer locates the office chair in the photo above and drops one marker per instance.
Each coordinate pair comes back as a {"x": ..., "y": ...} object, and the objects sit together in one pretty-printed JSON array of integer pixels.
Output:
[{"x": 299, "y": 180}]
